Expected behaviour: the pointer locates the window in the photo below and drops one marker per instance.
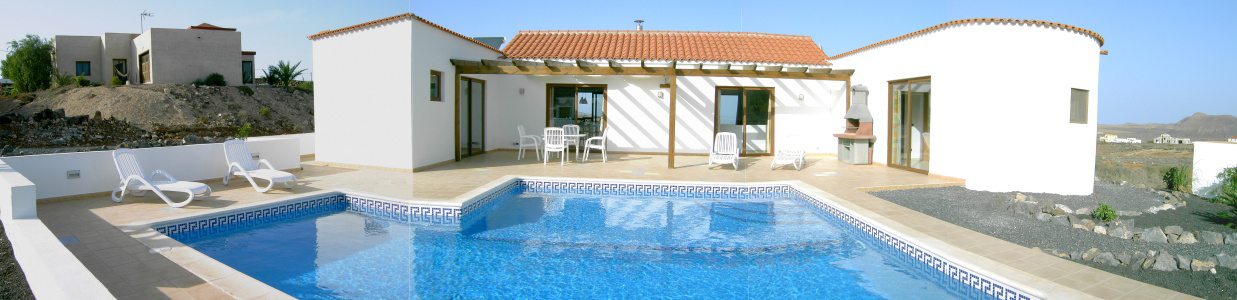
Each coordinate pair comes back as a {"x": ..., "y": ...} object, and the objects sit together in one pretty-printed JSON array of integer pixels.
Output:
[
  {"x": 246, "y": 72},
  {"x": 1078, "y": 106},
  {"x": 83, "y": 68},
  {"x": 435, "y": 85}
]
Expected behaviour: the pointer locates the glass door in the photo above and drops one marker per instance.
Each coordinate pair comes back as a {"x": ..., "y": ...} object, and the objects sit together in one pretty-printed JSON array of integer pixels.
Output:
[
  {"x": 582, "y": 105},
  {"x": 910, "y": 111},
  {"x": 472, "y": 117},
  {"x": 748, "y": 113}
]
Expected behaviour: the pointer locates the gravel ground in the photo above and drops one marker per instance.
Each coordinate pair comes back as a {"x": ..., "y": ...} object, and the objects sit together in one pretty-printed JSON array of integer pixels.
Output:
[
  {"x": 985, "y": 212},
  {"x": 1119, "y": 196},
  {"x": 1196, "y": 215},
  {"x": 12, "y": 280}
]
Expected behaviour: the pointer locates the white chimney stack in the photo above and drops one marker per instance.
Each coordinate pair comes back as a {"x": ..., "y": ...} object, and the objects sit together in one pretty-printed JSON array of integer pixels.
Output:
[{"x": 639, "y": 24}]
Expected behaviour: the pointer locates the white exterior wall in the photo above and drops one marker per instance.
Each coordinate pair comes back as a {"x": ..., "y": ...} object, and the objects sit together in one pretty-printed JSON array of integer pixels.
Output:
[
  {"x": 434, "y": 122},
  {"x": 991, "y": 80},
  {"x": 362, "y": 107},
  {"x": 1211, "y": 158},
  {"x": 71, "y": 49},
  {"x": 185, "y": 55},
  {"x": 117, "y": 46},
  {"x": 638, "y": 118}
]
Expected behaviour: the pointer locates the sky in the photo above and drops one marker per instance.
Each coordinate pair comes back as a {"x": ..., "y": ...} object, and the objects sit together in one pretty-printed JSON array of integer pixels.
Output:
[{"x": 1168, "y": 59}]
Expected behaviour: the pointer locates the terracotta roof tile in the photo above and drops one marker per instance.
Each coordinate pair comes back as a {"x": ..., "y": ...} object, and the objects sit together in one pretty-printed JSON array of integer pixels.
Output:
[
  {"x": 399, "y": 17},
  {"x": 1097, "y": 36},
  {"x": 666, "y": 45}
]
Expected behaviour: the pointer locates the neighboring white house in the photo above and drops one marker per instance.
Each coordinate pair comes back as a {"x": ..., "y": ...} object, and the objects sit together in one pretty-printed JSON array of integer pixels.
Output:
[
  {"x": 435, "y": 96},
  {"x": 1168, "y": 139},
  {"x": 1232, "y": 139},
  {"x": 159, "y": 55}
]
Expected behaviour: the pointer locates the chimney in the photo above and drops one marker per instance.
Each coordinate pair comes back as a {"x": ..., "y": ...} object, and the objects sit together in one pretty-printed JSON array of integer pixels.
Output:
[{"x": 639, "y": 25}]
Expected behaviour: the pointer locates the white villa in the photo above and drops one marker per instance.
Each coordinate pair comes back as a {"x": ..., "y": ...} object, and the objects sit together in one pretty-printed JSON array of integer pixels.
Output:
[
  {"x": 159, "y": 55},
  {"x": 432, "y": 96},
  {"x": 1169, "y": 139}
]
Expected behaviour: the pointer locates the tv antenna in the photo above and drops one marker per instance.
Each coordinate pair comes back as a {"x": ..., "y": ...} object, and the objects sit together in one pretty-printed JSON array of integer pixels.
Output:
[{"x": 143, "y": 23}]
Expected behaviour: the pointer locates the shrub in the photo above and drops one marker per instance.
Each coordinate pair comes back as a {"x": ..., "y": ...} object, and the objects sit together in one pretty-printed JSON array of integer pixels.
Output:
[
  {"x": 265, "y": 111},
  {"x": 214, "y": 79},
  {"x": 81, "y": 81},
  {"x": 116, "y": 80},
  {"x": 244, "y": 132},
  {"x": 29, "y": 64},
  {"x": 203, "y": 120},
  {"x": 1104, "y": 213},
  {"x": 306, "y": 86},
  {"x": 282, "y": 73},
  {"x": 245, "y": 90},
  {"x": 1178, "y": 179},
  {"x": 1227, "y": 195}
]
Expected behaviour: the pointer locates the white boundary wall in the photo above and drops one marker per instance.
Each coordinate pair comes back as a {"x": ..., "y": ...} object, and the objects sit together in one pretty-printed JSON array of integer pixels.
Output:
[
  {"x": 1210, "y": 158},
  {"x": 98, "y": 171},
  {"x": 1000, "y": 103},
  {"x": 305, "y": 140},
  {"x": 362, "y": 108},
  {"x": 50, "y": 269}
]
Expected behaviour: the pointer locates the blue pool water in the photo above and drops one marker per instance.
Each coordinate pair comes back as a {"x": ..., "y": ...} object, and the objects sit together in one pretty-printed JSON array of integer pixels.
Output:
[{"x": 529, "y": 245}]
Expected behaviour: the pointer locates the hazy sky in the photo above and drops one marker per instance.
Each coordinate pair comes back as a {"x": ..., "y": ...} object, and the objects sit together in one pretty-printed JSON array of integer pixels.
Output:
[{"x": 1168, "y": 59}]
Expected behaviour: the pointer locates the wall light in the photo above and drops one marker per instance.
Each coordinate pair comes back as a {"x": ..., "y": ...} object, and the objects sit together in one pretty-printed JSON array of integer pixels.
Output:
[
  {"x": 800, "y": 97},
  {"x": 521, "y": 91},
  {"x": 661, "y": 95}
]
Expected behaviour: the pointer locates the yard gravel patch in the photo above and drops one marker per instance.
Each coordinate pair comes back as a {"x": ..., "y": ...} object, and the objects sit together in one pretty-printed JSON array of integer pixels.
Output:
[{"x": 985, "y": 212}]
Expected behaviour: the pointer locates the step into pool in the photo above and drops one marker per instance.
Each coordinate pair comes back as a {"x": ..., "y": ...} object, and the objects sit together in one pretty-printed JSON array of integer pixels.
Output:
[{"x": 534, "y": 239}]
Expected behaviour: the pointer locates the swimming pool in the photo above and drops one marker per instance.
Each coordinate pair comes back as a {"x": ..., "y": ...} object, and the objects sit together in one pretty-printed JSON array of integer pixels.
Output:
[{"x": 557, "y": 239}]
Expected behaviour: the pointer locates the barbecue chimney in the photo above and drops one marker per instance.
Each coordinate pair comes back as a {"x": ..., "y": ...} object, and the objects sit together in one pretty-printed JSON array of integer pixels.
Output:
[{"x": 855, "y": 143}]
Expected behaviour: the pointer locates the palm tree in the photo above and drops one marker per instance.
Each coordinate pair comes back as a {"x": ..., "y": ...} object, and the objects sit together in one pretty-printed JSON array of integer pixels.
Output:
[{"x": 282, "y": 73}]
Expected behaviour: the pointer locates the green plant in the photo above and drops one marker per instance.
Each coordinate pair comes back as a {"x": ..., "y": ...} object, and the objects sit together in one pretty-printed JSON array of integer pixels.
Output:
[
  {"x": 265, "y": 112},
  {"x": 245, "y": 90},
  {"x": 244, "y": 132},
  {"x": 62, "y": 80},
  {"x": 203, "y": 120},
  {"x": 214, "y": 79},
  {"x": 1227, "y": 194},
  {"x": 81, "y": 80},
  {"x": 29, "y": 64},
  {"x": 283, "y": 73},
  {"x": 1104, "y": 213},
  {"x": 116, "y": 81},
  {"x": 1178, "y": 179},
  {"x": 306, "y": 86}
]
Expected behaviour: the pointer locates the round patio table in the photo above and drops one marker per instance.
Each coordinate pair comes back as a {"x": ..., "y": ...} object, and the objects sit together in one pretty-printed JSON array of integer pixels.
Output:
[{"x": 575, "y": 137}]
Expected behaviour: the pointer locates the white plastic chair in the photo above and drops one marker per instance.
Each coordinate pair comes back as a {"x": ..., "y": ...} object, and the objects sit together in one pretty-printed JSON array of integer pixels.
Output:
[
  {"x": 597, "y": 142},
  {"x": 554, "y": 142},
  {"x": 133, "y": 180},
  {"x": 794, "y": 154},
  {"x": 531, "y": 140},
  {"x": 725, "y": 150},
  {"x": 240, "y": 163},
  {"x": 572, "y": 137}
]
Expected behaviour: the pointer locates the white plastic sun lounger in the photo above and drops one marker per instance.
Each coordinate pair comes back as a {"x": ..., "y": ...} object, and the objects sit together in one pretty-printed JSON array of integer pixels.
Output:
[
  {"x": 133, "y": 181},
  {"x": 240, "y": 163},
  {"x": 725, "y": 150}
]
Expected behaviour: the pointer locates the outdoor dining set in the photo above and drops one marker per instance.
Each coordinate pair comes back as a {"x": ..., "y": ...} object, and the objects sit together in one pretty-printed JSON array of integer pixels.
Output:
[{"x": 724, "y": 151}]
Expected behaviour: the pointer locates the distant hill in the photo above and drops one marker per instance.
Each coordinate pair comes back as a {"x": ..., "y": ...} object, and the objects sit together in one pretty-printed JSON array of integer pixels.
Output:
[{"x": 1199, "y": 127}]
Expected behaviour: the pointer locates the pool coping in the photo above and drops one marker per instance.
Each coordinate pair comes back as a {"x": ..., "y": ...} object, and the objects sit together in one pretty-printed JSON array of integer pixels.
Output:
[{"x": 242, "y": 285}]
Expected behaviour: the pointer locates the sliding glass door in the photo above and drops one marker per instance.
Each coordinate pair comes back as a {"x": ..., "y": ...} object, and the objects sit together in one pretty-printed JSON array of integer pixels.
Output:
[
  {"x": 748, "y": 113},
  {"x": 910, "y": 111},
  {"x": 471, "y": 119},
  {"x": 582, "y": 105}
]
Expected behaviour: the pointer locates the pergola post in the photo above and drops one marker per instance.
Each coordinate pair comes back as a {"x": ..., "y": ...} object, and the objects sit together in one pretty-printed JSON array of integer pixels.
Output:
[{"x": 674, "y": 99}]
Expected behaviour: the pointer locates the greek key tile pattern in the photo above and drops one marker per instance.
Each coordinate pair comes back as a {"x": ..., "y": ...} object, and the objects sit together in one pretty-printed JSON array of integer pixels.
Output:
[{"x": 309, "y": 207}]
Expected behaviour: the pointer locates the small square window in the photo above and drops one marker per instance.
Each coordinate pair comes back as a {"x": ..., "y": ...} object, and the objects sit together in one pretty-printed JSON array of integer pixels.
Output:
[
  {"x": 435, "y": 85},
  {"x": 1078, "y": 106},
  {"x": 83, "y": 68}
]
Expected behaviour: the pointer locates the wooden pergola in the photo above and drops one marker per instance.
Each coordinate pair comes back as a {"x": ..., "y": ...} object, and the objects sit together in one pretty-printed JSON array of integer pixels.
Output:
[{"x": 671, "y": 70}]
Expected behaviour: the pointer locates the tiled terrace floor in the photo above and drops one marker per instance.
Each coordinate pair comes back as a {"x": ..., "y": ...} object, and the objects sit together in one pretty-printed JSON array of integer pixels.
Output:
[{"x": 129, "y": 270}]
